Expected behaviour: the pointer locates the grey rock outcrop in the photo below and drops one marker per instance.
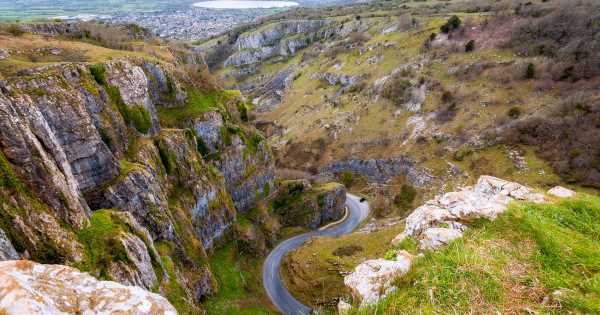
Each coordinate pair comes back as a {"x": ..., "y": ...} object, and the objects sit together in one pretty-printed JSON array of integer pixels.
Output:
[
  {"x": 7, "y": 251},
  {"x": 380, "y": 170},
  {"x": 134, "y": 86},
  {"x": 277, "y": 39},
  {"x": 208, "y": 129},
  {"x": 139, "y": 270},
  {"x": 443, "y": 219}
]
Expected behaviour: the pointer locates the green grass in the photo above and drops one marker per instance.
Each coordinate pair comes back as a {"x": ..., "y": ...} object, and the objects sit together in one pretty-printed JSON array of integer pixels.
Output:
[
  {"x": 196, "y": 104},
  {"x": 240, "y": 287},
  {"x": 511, "y": 265},
  {"x": 101, "y": 243}
]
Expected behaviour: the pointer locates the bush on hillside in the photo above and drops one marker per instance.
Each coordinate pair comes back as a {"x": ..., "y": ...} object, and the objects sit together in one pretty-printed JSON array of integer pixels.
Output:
[
  {"x": 15, "y": 30},
  {"x": 470, "y": 46},
  {"x": 572, "y": 127},
  {"x": 452, "y": 24},
  {"x": 397, "y": 90},
  {"x": 530, "y": 71},
  {"x": 567, "y": 32}
]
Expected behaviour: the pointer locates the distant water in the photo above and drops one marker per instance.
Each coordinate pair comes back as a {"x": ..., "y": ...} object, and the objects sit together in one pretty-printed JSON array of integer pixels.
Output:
[{"x": 233, "y": 4}]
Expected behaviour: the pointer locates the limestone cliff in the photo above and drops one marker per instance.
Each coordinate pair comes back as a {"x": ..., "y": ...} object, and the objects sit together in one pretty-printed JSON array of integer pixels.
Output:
[{"x": 94, "y": 174}]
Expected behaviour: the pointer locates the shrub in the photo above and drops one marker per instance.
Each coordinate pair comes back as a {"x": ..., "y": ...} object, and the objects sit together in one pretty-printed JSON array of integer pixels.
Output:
[
  {"x": 567, "y": 32},
  {"x": 447, "y": 113},
  {"x": 15, "y": 30},
  {"x": 462, "y": 153},
  {"x": 406, "y": 197},
  {"x": 452, "y": 24},
  {"x": 347, "y": 250},
  {"x": 347, "y": 178},
  {"x": 140, "y": 118},
  {"x": 99, "y": 74},
  {"x": 514, "y": 112},
  {"x": 447, "y": 97},
  {"x": 397, "y": 90},
  {"x": 530, "y": 71},
  {"x": 470, "y": 46}
]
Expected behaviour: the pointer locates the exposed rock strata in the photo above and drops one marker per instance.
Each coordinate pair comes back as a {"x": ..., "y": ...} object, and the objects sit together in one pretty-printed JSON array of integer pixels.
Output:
[{"x": 383, "y": 170}]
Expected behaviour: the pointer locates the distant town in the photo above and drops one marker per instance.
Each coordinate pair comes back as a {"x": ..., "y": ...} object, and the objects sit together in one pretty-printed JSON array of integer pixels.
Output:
[{"x": 190, "y": 24}]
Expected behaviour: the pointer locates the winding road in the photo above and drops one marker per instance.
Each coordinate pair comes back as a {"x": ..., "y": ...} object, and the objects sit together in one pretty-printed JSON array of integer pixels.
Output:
[{"x": 279, "y": 295}]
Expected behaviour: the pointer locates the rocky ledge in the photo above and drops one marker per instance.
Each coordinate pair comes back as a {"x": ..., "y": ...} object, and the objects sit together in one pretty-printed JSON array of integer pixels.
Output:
[
  {"x": 31, "y": 288},
  {"x": 435, "y": 224}
]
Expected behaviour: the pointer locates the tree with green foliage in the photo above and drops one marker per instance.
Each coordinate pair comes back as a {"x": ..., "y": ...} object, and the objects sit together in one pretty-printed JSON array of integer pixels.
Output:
[
  {"x": 452, "y": 24},
  {"x": 530, "y": 71}
]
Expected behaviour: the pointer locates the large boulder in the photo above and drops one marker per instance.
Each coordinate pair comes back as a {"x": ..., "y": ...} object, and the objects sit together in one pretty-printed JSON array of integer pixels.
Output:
[
  {"x": 30, "y": 288},
  {"x": 561, "y": 192},
  {"x": 373, "y": 279}
]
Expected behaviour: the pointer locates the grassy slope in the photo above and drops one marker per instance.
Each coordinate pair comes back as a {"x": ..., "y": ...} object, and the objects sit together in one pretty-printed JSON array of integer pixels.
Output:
[
  {"x": 29, "y": 54},
  {"x": 534, "y": 258},
  {"x": 240, "y": 285}
]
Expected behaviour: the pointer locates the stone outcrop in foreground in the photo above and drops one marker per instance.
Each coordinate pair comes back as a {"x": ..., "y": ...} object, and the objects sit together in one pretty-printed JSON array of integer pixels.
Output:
[
  {"x": 31, "y": 288},
  {"x": 373, "y": 279},
  {"x": 435, "y": 224},
  {"x": 443, "y": 219}
]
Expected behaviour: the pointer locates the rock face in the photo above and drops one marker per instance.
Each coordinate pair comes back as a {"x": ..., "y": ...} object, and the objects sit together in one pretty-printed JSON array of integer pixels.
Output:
[
  {"x": 244, "y": 160},
  {"x": 372, "y": 279},
  {"x": 442, "y": 219},
  {"x": 277, "y": 39},
  {"x": 72, "y": 149},
  {"x": 299, "y": 203},
  {"x": 7, "y": 251},
  {"x": 31, "y": 288},
  {"x": 383, "y": 170},
  {"x": 561, "y": 192}
]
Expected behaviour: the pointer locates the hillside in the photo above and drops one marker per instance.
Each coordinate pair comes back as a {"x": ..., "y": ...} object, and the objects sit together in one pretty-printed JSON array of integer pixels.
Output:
[
  {"x": 122, "y": 157},
  {"x": 405, "y": 100},
  {"x": 383, "y": 82},
  {"x": 168, "y": 171}
]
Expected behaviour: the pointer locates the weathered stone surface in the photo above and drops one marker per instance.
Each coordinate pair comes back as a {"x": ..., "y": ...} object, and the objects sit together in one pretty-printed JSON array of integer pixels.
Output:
[
  {"x": 441, "y": 219},
  {"x": 246, "y": 173},
  {"x": 4, "y": 53},
  {"x": 7, "y": 251},
  {"x": 373, "y": 279},
  {"x": 138, "y": 192},
  {"x": 39, "y": 152},
  {"x": 30, "y": 288},
  {"x": 209, "y": 130},
  {"x": 277, "y": 39},
  {"x": 343, "y": 307},
  {"x": 561, "y": 192},
  {"x": 383, "y": 170},
  {"x": 139, "y": 270},
  {"x": 133, "y": 85},
  {"x": 434, "y": 238}
]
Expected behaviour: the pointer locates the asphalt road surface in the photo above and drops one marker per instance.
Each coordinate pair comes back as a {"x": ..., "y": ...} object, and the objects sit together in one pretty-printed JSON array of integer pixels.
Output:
[{"x": 279, "y": 295}]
